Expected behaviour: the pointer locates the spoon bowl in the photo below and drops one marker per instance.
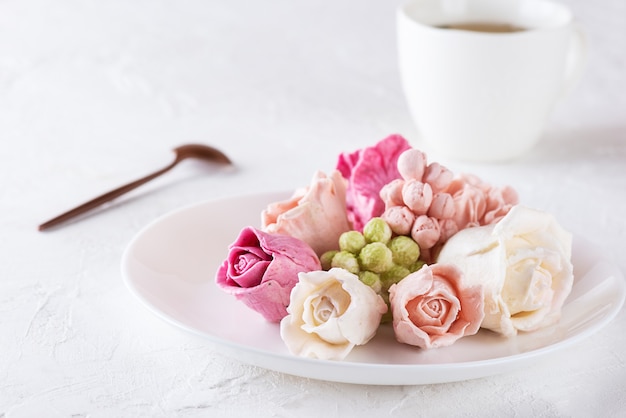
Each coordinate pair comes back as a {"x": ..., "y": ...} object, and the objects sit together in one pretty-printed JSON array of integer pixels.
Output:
[
  {"x": 205, "y": 153},
  {"x": 200, "y": 152}
]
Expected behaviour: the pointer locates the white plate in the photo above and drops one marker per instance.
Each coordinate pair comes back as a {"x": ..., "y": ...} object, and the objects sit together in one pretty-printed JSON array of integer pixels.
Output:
[{"x": 170, "y": 266}]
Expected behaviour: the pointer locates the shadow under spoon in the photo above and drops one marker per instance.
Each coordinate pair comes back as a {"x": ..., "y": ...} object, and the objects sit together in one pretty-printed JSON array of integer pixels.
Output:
[{"x": 183, "y": 152}]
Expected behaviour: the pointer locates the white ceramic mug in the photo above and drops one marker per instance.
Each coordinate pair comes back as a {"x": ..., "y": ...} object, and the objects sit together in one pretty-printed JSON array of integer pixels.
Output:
[{"x": 483, "y": 96}]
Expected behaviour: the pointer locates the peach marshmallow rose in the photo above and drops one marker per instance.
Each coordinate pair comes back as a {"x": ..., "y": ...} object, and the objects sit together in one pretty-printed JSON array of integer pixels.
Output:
[
  {"x": 316, "y": 215},
  {"x": 433, "y": 307}
]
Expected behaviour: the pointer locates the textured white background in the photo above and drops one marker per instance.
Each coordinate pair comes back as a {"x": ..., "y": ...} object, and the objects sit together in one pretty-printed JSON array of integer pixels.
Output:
[{"x": 95, "y": 93}]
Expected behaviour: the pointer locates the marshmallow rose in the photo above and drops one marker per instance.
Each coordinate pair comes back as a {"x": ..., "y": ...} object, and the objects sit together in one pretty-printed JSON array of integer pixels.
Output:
[
  {"x": 261, "y": 269},
  {"x": 433, "y": 307},
  {"x": 524, "y": 264},
  {"x": 330, "y": 312},
  {"x": 316, "y": 215}
]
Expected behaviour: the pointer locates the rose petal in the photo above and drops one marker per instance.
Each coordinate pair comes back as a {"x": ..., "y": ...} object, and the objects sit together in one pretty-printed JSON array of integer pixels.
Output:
[
  {"x": 318, "y": 218},
  {"x": 246, "y": 271},
  {"x": 367, "y": 171}
]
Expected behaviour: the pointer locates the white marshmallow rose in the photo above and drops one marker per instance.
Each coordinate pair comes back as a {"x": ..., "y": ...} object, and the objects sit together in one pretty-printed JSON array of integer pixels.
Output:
[
  {"x": 330, "y": 312},
  {"x": 524, "y": 264}
]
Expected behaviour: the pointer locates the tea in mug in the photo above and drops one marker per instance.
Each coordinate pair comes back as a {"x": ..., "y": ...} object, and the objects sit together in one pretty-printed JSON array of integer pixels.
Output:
[{"x": 484, "y": 27}]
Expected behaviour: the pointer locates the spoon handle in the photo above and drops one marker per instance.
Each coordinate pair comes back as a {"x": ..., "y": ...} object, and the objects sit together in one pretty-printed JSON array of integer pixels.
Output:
[{"x": 93, "y": 203}]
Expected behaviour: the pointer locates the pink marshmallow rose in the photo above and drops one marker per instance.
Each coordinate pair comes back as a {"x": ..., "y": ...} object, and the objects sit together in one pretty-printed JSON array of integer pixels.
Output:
[
  {"x": 433, "y": 308},
  {"x": 367, "y": 171},
  {"x": 316, "y": 215},
  {"x": 262, "y": 269}
]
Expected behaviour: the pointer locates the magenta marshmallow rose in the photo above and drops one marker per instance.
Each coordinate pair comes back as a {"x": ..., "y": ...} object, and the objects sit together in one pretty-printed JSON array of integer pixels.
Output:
[{"x": 261, "y": 270}]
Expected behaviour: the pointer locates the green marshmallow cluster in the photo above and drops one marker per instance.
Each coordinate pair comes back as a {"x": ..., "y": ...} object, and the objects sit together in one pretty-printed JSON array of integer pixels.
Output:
[{"x": 378, "y": 258}]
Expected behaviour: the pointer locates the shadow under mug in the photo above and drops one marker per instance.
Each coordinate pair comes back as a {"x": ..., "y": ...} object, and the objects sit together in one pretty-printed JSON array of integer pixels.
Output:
[{"x": 486, "y": 93}]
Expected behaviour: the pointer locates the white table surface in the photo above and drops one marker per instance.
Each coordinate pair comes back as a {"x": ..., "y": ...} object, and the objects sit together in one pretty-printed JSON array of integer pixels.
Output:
[{"x": 96, "y": 93}]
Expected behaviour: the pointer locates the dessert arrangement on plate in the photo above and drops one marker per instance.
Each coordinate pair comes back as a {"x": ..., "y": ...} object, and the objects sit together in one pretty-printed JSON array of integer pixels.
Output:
[{"x": 391, "y": 239}]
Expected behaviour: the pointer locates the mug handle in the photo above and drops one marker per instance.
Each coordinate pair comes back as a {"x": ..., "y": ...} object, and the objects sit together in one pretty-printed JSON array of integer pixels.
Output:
[{"x": 576, "y": 60}]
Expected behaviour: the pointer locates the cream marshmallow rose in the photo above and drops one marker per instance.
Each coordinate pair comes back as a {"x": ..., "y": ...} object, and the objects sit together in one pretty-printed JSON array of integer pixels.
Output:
[
  {"x": 524, "y": 264},
  {"x": 330, "y": 312}
]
